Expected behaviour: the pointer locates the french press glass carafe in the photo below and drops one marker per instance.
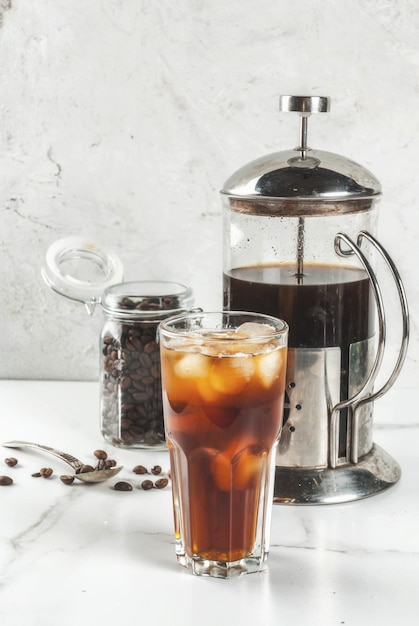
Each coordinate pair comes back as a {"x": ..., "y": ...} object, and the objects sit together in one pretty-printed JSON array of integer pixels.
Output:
[{"x": 299, "y": 244}]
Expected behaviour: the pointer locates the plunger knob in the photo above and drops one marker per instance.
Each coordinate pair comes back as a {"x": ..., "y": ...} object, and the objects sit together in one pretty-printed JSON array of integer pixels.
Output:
[{"x": 304, "y": 104}]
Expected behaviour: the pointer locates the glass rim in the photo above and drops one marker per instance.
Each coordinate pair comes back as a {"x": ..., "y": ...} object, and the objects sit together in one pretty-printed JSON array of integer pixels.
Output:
[{"x": 166, "y": 326}]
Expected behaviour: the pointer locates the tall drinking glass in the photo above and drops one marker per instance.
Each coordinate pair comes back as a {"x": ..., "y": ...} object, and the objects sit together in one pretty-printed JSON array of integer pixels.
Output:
[{"x": 223, "y": 379}]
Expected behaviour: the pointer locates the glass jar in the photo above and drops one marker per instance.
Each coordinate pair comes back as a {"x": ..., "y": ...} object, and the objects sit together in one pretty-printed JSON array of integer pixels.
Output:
[
  {"x": 130, "y": 383},
  {"x": 131, "y": 414}
]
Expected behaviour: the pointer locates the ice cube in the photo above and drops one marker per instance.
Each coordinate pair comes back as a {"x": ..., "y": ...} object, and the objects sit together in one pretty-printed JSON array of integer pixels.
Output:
[
  {"x": 222, "y": 471},
  {"x": 191, "y": 365},
  {"x": 253, "y": 329},
  {"x": 269, "y": 367},
  {"x": 230, "y": 375},
  {"x": 217, "y": 343},
  {"x": 248, "y": 466}
]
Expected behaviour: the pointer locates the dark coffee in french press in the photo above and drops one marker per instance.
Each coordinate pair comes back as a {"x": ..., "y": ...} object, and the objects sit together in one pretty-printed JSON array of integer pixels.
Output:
[
  {"x": 297, "y": 224},
  {"x": 319, "y": 305}
]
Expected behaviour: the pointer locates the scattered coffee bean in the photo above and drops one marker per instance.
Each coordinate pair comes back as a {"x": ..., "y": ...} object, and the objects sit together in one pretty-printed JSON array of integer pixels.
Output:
[
  {"x": 122, "y": 485},
  {"x": 6, "y": 480},
  {"x": 161, "y": 483},
  {"x": 10, "y": 461},
  {"x": 156, "y": 470},
  {"x": 109, "y": 463},
  {"x": 46, "y": 472},
  {"x": 36, "y": 475},
  {"x": 67, "y": 479},
  {"x": 100, "y": 454},
  {"x": 140, "y": 469},
  {"x": 84, "y": 469},
  {"x": 147, "y": 484}
]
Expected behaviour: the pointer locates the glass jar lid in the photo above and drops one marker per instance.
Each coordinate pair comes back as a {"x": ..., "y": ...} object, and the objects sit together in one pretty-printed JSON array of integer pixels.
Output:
[{"x": 81, "y": 270}]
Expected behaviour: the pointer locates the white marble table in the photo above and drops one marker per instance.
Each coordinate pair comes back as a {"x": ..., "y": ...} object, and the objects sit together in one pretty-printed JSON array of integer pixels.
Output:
[{"x": 87, "y": 555}]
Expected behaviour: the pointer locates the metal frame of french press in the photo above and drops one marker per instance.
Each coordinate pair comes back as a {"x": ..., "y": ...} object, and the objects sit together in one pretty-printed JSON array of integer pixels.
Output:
[{"x": 355, "y": 476}]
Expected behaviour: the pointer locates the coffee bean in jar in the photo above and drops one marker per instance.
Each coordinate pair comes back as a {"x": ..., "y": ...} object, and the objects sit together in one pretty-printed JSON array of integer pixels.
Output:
[{"x": 131, "y": 399}]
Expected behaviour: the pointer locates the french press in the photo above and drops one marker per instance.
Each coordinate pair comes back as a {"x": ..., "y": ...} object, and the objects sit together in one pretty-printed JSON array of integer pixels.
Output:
[{"x": 300, "y": 244}]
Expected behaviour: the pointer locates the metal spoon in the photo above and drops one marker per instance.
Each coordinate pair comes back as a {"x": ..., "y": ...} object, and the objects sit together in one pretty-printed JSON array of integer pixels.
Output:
[{"x": 95, "y": 476}]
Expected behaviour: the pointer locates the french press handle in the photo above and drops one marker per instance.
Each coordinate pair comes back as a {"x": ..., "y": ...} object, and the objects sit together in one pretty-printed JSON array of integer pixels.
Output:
[{"x": 365, "y": 394}]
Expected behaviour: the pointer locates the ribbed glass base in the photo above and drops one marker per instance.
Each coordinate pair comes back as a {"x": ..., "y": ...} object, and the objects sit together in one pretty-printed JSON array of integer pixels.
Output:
[{"x": 224, "y": 569}]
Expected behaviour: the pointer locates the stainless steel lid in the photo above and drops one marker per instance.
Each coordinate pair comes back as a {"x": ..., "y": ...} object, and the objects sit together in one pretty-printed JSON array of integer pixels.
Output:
[{"x": 313, "y": 182}]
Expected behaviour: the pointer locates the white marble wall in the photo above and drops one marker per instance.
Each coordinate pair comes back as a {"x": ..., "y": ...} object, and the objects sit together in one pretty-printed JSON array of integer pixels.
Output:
[{"x": 121, "y": 119}]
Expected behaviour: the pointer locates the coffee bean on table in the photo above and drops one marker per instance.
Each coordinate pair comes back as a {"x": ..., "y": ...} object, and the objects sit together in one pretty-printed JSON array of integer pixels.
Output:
[
  {"x": 161, "y": 483},
  {"x": 11, "y": 461},
  {"x": 46, "y": 472},
  {"x": 5, "y": 481},
  {"x": 122, "y": 485},
  {"x": 67, "y": 479}
]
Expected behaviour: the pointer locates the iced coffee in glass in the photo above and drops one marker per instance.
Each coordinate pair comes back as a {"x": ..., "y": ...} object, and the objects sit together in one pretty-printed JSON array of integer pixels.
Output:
[{"x": 223, "y": 378}]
